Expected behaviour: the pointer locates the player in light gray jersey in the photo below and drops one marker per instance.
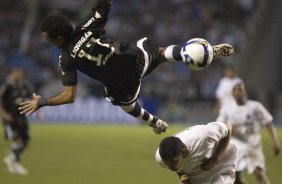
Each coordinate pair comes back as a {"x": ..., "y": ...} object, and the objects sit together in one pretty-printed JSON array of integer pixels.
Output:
[
  {"x": 224, "y": 89},
  {"x": 200, "y": 154},
  {"x": 247, "y": 117}
]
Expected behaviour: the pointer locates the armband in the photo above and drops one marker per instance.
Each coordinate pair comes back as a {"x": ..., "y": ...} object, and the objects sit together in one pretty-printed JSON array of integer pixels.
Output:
[{"x": 42, "y": 102}]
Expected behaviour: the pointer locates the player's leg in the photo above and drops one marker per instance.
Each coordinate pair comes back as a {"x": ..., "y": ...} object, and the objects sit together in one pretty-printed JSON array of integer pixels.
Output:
[
  {"x": 13, "y": 159},
  {"x": 19, "y": 144},
  {"x": 9, "y": 159},
  {"x": 242, "y": 160},
  {"x": 261, "y": 176},
  {"x": 134, "y": 109},
  {"x": 126, "y": 96},
  {"x": 18, "y": 147},
  {"x": 238, "y": 179},
  {"x": 18, "y": 136},
  {"x": 172, "y": 52}
]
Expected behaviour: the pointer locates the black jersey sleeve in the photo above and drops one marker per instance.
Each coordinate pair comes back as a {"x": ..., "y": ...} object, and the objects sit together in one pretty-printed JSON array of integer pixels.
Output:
[
  {"x": 95, "y": 21},
  {"x": 68, "y": 71}
]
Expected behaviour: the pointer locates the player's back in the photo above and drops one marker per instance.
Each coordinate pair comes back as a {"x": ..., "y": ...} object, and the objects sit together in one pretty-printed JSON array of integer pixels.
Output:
[
  {"x": 100, "y": 58},
  {"x": 201, "y": 141}
]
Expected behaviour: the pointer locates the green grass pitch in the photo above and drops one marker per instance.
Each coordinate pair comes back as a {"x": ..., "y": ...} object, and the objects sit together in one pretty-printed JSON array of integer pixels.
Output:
[{"x": 102, "y": 154}]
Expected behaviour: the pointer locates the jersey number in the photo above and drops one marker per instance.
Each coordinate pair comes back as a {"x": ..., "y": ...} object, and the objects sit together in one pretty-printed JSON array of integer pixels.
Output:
[{"x": 98, "y": 59}]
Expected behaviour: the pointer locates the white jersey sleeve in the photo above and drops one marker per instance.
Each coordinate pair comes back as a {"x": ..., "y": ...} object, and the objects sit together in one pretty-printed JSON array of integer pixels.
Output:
[
  {"x": 263, "y": 116},
  {"x": 217, "y": 130}
]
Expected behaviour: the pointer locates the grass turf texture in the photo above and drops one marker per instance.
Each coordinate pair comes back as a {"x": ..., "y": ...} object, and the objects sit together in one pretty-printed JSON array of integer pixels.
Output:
[{"x": 102, "y": 154}]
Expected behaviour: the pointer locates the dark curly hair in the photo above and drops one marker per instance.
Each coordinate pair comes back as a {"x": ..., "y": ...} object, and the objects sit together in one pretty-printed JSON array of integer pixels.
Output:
[
  {"x": 170, "y": 147},
  {"x": 57, "y": 25}
]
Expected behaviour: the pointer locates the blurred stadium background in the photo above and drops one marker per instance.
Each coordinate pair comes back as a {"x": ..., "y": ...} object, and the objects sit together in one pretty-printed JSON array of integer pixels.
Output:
[{"x": 172, "y": 92}]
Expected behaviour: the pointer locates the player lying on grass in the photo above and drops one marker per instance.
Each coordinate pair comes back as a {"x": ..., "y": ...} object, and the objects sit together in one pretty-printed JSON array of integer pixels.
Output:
[
  {"x": 200, "y": 154},
  {"x": 247, "y": 117},
  {"x": 119, "y": 66}
]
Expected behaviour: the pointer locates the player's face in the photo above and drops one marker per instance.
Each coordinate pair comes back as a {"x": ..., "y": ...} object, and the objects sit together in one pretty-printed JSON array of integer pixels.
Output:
[
  {"x": 239, "y": 93},
  {"x": 58, "y": 42},
  {"x": 229, "y": 72},
  {"x": 174, "y": 163}
]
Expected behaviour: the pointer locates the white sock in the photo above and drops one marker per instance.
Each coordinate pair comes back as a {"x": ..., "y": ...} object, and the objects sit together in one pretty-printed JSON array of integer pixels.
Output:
[{"x": 168, "y": 53}]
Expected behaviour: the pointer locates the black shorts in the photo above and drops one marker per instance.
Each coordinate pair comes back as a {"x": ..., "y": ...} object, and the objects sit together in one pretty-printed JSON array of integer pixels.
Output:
[
  {"x": 148, "y": 58},
  {"x": 18, "y": 129}
]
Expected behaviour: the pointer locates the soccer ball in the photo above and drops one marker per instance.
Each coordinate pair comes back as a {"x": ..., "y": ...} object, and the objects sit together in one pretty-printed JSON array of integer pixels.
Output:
[{"x": 197, "y": 53}]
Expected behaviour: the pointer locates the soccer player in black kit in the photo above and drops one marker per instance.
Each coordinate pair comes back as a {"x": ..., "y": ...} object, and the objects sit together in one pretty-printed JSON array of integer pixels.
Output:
[
  {"x": 12, "y": 93},
  {"x": 119, "y": 66}
]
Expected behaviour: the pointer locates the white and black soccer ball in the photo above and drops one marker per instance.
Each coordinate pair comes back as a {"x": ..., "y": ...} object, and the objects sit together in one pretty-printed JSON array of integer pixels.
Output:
[{"x": 197, "y": 53}]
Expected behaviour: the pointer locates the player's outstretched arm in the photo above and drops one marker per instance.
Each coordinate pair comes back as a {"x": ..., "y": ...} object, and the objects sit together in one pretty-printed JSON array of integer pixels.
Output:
[
  {"x": 65, "y": 97},
  {"x": 275, "y": 142}
]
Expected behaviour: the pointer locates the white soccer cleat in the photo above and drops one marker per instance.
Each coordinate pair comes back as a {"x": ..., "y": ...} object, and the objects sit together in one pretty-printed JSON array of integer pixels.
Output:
[
  {"x": 13, "y": 166},
  {"x": 9, "y": 160},
  {"x": 159, "y": 127},
  {"x": 221, "y": 50},
  {"x": 19, "y": 169}
]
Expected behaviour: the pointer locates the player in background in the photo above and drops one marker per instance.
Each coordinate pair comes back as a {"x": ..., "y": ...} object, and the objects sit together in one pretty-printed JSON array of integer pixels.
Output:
[
  {"x": 12, "y": 93},
  {"x": 200, "y": 154},
  {"x": 119, "y": 66},
  {"x": 247, "y": 117},
  {"x": 224, "y": 89}
]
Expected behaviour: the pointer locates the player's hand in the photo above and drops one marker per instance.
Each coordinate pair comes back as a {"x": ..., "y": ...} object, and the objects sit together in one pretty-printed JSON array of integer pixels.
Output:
[
  {"x": 159, "y": 127},
  {"x": 29, "y": 107},
  {"x": 185, "y": 179},
  {"x": 208, "y": 164}
]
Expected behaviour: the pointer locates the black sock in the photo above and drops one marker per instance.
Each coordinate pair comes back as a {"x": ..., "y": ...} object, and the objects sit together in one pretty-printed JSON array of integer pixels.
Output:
[
  {"x": 137, "y": 111},
  {"x": 176, "y": 53}
]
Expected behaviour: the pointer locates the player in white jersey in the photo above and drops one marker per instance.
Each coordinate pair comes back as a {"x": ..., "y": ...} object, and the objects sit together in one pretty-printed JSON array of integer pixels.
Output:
[
  {"x": 200, "y": 154},
  {"x": 247, "y": 117},
  {"x": 224, "y": 89}
]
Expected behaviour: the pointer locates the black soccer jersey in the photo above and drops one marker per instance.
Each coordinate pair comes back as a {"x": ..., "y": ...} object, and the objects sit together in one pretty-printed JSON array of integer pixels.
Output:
[
  {"x": 12, "y": 95},
  {"x": 90, "y": 51}
]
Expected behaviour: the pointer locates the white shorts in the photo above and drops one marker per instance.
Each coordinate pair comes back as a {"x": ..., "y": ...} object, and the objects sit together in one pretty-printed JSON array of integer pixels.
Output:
[{"x": 249, "y": 157}]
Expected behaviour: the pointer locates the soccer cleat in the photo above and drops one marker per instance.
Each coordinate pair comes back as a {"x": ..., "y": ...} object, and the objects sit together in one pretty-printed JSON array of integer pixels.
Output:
[
  {"x": 159, "y": 127},
  {"x": 13, "y": 166},
  {"x": 9, "y": 160},
  {"x": 19, "y": 169},
  {"x": 223, "y": 49}
]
